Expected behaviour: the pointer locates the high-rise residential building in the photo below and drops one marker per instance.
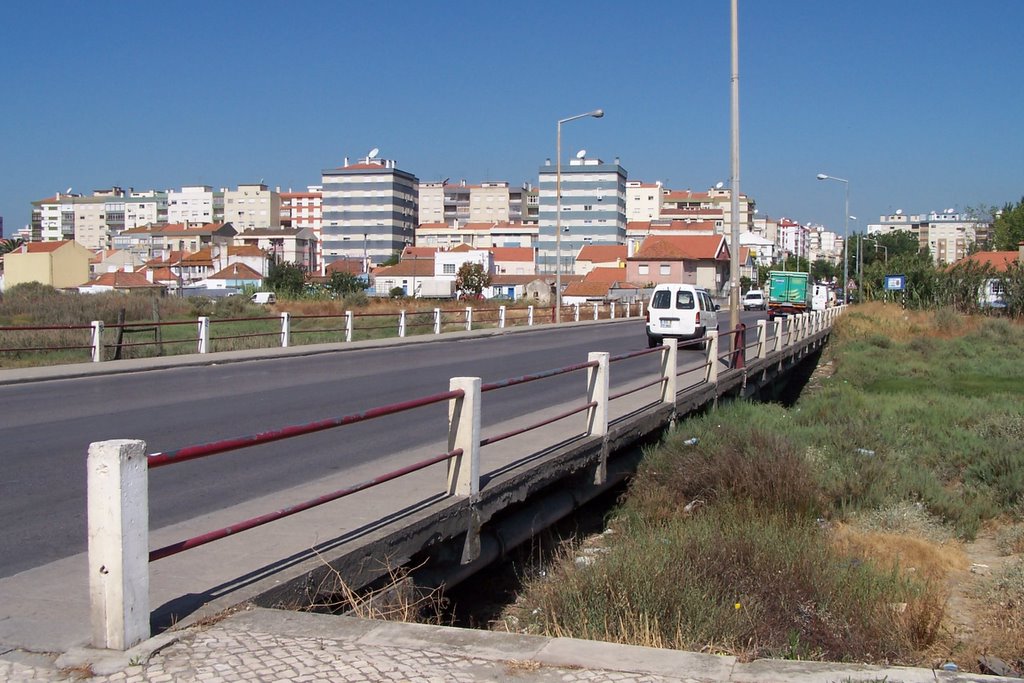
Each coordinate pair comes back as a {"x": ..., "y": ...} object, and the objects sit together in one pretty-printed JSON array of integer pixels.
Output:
[
  {"x": 457, "y": 204},
  {"x": 199, "y": 204},
  {"x": 947, "y": 235},
  {"x": 370, "y": 209},
  {"x": 523, "y": 204},
  {"x": 488, "y": 202},
  {"x": 593, "y": 205},
  {"x": 252, "y": 206},
  {"x": 90, "y": 221},
  {"x": 305, "y": 210}
]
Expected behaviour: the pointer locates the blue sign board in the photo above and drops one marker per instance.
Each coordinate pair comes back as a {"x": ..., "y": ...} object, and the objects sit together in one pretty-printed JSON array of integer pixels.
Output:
[{"x": 895, "y": 283}]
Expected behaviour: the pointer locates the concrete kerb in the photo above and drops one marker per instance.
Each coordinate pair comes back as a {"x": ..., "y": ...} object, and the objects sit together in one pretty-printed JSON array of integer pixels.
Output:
[
  {"x": 107, "y": 662},
  {"x": 113, "y": 367}
]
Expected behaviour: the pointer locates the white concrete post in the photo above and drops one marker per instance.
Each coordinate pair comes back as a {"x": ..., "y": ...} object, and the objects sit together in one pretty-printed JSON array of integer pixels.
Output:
[
  {"x": 712, "y": 358},
  {"x": 597, "y": 391},
  {"x": 576, "y": 312},
  {"x": 401, "y": 323},
  {"x": 97, "y": 341},
  {"x": 595, "y": 311},
  {"x": 762, "y": 339},
  {"x": 611, "y": 313},
  {"x": 286, "y": 329},
  {"x": 348, "y": 326},
  {"x": 501, "y": 317},
  {"x": 779, "y": 325},
  {"x": 464, "y": 433},
  {"x": 437, "y": 321},
  {"x": 669, "y": 360},
  {"x": 469, "y": 318},
  {"x": 529, "y": 316},
  {"x": 118, "y": 520},
  {"x": 204, "y": 334},
  {"x": 597, "y": 416}
]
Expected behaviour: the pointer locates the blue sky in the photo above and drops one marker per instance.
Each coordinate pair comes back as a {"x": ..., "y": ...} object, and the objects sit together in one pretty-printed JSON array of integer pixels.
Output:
[{"x": 919, "y": 103}]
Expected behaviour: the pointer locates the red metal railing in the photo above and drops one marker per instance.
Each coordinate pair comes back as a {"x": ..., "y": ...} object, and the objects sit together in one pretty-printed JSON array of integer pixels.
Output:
[{"x": 637, "y": 354}]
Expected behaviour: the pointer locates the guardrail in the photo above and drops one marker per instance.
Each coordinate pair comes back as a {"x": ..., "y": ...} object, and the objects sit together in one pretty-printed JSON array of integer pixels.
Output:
[
  {"x": 400, "y": 323},
  {"x": 118, "y": 507}
]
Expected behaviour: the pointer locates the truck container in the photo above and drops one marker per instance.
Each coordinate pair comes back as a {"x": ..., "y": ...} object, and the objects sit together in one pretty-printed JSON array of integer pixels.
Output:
[{"x": 789, "y": 293}]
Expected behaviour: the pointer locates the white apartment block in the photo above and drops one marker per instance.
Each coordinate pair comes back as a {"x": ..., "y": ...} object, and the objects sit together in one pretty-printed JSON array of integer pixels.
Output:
[
  {"x": 643, "y": 201},
  {"x": 477, "y": 235},
  {"x": 252, "y": 206},
  {"x": 593, "y": 210},
  {"x": 90, "y": 221},
  {"x": 947, "y": 234},
  {"x": 459, "y": 203},
  {"x": 431, "y": 197},
  {"x": 145, "y": 208},
  {"x": 370, "y": 210},
  {"x": 195, "y": 204}
]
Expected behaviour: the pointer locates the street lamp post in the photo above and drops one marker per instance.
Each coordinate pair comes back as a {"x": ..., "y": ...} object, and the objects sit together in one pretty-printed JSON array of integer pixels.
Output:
[
  {"x": 846, "y": 232},
  {"x": 597, "y": 113},
  {"x": 860, "y": 258}
]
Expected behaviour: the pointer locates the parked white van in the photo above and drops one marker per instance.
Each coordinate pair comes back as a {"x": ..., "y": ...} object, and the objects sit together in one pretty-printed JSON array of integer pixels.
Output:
[
  {"x": 681, "y": 312},
  {"x": 263, "y": 298}
]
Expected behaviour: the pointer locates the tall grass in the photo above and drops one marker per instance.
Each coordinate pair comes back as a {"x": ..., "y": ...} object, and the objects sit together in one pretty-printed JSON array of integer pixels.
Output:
[{"x": 742, "y": 544}]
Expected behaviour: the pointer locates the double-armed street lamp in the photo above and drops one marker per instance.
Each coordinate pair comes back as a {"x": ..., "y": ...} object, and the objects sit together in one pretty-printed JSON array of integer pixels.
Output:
[
  {"x": 597, "y": 113},
  {"x": 846, "y": 231}
]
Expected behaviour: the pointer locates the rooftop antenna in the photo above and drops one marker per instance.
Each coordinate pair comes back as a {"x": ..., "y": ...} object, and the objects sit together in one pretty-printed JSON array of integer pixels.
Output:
[
  {"x": 581, "y": 154},
  {"x": 373, "y": 153},
  {"x": 718, "y": 185}
]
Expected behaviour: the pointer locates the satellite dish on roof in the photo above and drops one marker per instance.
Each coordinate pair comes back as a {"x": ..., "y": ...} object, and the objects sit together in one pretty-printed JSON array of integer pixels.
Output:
[
  {"x": 718, "y": 185},
  {"x": 949, "y": 210},
  {"x": 581, "y": 154},
  {"x": 899, "y": 212},
  {"x": 373, "y": 153}
]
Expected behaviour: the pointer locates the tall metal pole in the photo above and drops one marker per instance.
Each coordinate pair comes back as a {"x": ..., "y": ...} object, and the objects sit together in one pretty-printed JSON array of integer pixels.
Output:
[
  {"x": 558, "y": 224},
  {"x": 597, "y": 113},
  {"x": 846, "y": 232},
  {"x": 734, "y": 251}
]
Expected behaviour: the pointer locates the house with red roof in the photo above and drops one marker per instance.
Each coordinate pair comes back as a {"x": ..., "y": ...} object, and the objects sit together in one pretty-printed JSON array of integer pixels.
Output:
[
  {"x": 58, "y": 264},
  {"x": 701, "y": 260},
  {"x": 594, "y": 256},
  {"x": 999, "y": 262},
  {"x": 120, "y": 281}
]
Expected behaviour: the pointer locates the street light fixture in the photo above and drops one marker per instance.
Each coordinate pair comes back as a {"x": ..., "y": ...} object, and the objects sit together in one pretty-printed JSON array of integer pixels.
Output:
[
  {"x": 846, "y": 232},
  {"x": 597, "y": 113}
]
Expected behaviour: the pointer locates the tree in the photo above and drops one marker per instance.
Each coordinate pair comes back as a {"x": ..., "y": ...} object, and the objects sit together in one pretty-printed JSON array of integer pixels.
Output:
[
  {"x": 471, "y": 280},
  {"x": 1008, "y": 227},
  {"x": 286, "y": 279},
  {"x": 341, "y": 284},
  {"x": 9, "y": 245}
]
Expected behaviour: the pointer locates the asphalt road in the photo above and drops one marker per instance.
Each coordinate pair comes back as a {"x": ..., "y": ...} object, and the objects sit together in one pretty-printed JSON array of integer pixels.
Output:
[{"x": 48, "y": 425}]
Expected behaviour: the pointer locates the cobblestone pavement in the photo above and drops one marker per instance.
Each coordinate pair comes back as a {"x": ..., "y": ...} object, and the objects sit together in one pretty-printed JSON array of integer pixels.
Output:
[
  {"x": 224, "y": 654},
  {"x": 284, "y": 647}
]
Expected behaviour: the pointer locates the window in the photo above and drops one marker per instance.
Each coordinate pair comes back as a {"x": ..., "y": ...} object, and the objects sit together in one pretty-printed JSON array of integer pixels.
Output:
[
  {"x": 643, "y": 269},
  {"x": 448, "y": 269},
  {"x": 665, "y": 269},
  {"x": 684, "y": 300}
]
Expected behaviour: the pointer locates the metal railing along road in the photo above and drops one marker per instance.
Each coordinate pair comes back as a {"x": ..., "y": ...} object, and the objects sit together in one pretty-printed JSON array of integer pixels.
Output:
[
  {"x": 118, "y": 470},
  {"x": 400, "y": 323}
]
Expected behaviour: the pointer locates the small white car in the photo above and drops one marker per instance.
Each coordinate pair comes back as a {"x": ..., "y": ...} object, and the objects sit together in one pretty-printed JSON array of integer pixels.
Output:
[
  {"x": 263, "y": 298},
  {"x": 680, "y": 312},
  {"x": 754, "y": 301}
]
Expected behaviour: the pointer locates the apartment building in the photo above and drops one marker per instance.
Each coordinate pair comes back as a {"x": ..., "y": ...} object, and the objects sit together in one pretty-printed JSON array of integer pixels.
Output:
[
  {"x": 643, "y": 200},
  {"x": 947, "y": 235},
  {"x": 370, "y": 209},
  {"x": 91, "y": 221},
  {"x": 593, "y": 209},
  {"x": 717, "y": 198},
  {"x": 252, "y": 206},
  {"x": 145, "y": 208},
  {"x": 195, "y": 204}
]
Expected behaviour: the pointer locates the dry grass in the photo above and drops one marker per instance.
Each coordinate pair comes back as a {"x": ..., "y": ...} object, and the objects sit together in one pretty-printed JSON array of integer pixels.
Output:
[
  {"x": 903, "y": 325},
  {"x": 934, "y": 562}
]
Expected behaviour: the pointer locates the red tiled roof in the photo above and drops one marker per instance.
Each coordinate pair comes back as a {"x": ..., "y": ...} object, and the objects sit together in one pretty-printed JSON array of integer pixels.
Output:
[
  {"x": 419, "y": 252},
  {"x": 432, "y": 226},
  {"x": 512, "y": 254},
  {"x": 999, "y": 260},
  {"x": 679, "y": 247},
  {"x": 345, "y": 265},
  {"x": 461, "y": 248},
  {"x": 605, "y": 275},
  {"x": 244, "y": 250},
  {"x": 412, "y": 267},
  {"x": 602, "y": 253},
  {"x": 43, "y": 247},
  {"x": 236, "y": 271},
  {"x": 122, "y": 280},
  {"x": 588, "y": 289}
]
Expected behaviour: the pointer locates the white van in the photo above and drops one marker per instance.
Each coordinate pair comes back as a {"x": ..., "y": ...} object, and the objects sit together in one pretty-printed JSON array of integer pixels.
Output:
[
  {"x": 263, "y": 298},
  {"x": 681, "y": 312},
  {"x": 822, "y": 297}
]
